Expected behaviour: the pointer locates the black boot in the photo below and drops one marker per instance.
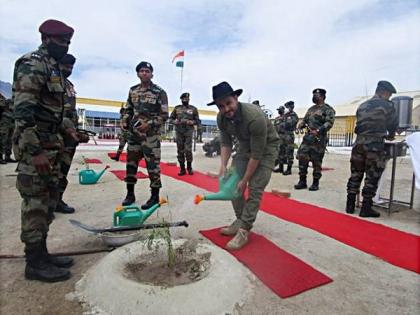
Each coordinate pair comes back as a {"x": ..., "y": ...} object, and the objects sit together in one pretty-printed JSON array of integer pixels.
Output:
[
  {"x": 351, "y": 201},
  {"x": 182, "y": 169},
  {"x": 279, "y": 169},
  {"x": 1, "y": 160},
  {"x": 63, "y": 207},
  {"x": 366, "y": 211},
  {"x": 130, "y": 198},
  {"x": 58, "y": 261},
  {"x": 289, "y": 170},
  {"x": 38, "y": 268},
  {"x": 154, "y": 199},
  {"x": 117, "y": 156},
  {"x": 315, "y": 185},
  {"x": 189, "y": 168},
  {"x": 302, "y": 183},
  {"x": 8, "y": 159}
]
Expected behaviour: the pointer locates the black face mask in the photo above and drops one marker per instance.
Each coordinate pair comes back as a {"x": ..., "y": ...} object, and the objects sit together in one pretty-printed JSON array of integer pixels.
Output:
[
  {"x": 66, "y": 73},
  {"x": 315, "y": 100},
  {"x": 56, "y": 51}
]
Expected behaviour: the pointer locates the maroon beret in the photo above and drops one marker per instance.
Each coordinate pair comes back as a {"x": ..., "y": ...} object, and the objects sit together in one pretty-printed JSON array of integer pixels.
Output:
[{"x": 55, "y": 28}]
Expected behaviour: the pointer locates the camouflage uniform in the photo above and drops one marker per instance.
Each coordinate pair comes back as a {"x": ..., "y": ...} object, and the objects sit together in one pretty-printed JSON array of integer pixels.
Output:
[
  {"x": 149, "y": 105},
  {"x": 285, "y": 127},
  {"x": 258, "y": 140},
  {"x": 6, "y": 129},
  {"x": 38, "y": 94},
  {"x": 70, "y": 121},
  {"x": 123, "y": 137},
  {"x": 184, "y": 132},
  {"x": 312, "y": 148},
  {"x": 375, "y": 118}
]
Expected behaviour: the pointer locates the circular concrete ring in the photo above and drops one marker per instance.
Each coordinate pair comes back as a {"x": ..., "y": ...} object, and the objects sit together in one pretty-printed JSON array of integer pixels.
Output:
[{"x": 105, "y": 286}]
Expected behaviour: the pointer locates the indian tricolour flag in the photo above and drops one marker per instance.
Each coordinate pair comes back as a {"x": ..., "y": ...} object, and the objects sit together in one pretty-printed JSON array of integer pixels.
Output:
[{"x": 179, "y": 58}]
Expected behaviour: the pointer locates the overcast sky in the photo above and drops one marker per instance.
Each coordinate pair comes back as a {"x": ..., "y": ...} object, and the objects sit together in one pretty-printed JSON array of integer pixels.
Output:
[{"x": 275, "y": 50}]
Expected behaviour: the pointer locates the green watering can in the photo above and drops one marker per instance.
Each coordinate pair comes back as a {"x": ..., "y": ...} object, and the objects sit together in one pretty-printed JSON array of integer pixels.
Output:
[
  {"x": 227, "y": 188},
  {"x": 89, "y": 177},
  {"x": 132, "y": 215}
]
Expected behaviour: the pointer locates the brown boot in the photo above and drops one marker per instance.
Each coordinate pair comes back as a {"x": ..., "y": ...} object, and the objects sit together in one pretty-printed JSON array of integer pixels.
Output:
[{"x": 239, "y": 241}]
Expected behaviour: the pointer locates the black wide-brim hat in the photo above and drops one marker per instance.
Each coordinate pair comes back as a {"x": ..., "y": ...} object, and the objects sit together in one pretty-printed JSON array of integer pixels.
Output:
[{"x": 222, "y": 90}]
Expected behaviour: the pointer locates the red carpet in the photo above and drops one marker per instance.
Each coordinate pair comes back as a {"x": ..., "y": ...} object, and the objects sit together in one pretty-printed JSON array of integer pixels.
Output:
[
  {"x": 93, "y": 161},
  {"x": 282, "y": 272},
  {"x": 121, "y": 174},
  {"x": 396, "y": 247}
]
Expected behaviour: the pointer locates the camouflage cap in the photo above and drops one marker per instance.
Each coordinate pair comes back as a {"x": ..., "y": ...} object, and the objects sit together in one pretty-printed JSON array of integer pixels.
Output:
[
  {"x": 289, "y": 104},
  {"x": 68, "y": 59},
  {"x": 319, "y": 91},
  {"x": 55, "y": 28},
  {"x": 387, "y": 86},
  {"x": 184, "y": 95},
  {"x": 144, "y": 64}
]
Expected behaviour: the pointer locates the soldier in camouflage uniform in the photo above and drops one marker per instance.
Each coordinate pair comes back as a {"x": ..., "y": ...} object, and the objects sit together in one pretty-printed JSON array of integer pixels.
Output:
[
  {"x": 279, "y": 123},
  {"x": 123, "y": 138},
  {"x": 38, "y": 95},
  {"x": 376, "y": 121},
  {"x": 318, "y": 120},
  {"x": 291, "y": 120},
  {"x": 146, "y": 112},
  {"x": 68, "y": 131},
  {"x": 184, "y": 117},
  {"x": 6, "y": 131},
  {"x": 199, "y": 138},
  {"x": 258, "y": 145}
]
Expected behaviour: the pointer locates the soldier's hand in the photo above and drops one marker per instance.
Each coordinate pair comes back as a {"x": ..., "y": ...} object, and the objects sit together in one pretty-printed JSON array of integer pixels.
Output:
[
  {"x": 190, "y": 122},
  {"x": 72, "y": 133},
  {"x": 124, "y": 125},
  {"x": 143, "y": 127},
  {"x": 41, "y": 164},
  {"x": 314, "y": 132},
  {"x": 242, "y": 186},
  {"x": 83, "y": 138}
]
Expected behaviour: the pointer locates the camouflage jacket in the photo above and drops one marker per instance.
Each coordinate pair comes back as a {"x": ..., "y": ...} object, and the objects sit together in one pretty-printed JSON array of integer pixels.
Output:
[
  {"x": 38, "y": 99},
  {"x": 70, "y": 118},
  {"x": 6, "y": 114},
  {"x": 183, "y": 114},
  {"x": 375, "y": 119},
  {"x": 146, "y": 104},
  {"x": 319, "y": 117},
  {"x": 286, "y": 124}
]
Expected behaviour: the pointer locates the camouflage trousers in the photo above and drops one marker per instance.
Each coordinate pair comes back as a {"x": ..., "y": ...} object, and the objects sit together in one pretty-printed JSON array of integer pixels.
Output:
[
  {"x": 122, "y": 141},
  {"x": 369, "y": 163},
  {"x": 149, "y": 149},
  {"x": 313, "y": 153},
  {"x": 6, "y": 133},
  {"x": 40, "y": 197},
  {"x": 246, "y": 210},
  {"x": 65, "y": 164},
  {"x": 286, "y": 149},
  {"x": 184, "y": 146}
]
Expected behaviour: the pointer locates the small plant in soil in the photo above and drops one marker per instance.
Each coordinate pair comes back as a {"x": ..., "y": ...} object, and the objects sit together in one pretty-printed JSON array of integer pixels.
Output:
[
  {"x": 85, "y": 162},
  {"x": 153, "y": 243}
]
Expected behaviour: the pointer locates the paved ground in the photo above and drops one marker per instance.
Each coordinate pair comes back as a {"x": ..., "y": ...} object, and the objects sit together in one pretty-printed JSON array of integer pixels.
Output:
[{"x": 362, "y": 283}]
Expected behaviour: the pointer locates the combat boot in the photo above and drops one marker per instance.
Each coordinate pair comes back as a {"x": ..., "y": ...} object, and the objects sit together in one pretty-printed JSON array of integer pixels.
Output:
[
  {"x": 182, "y": 171},
  {"x": 315, "y": 185},
  {"x": 8, "y": 159},
  {"x": 289, "y": 170},
  {"x": 117, "y": 156},
  {"x": 366, "y": 211},
  {"x": 2, "y": 161},
  {"x": 239, "y": 241},
  {"x": 231, "y": 229},
  {"x": 63, "y": 207},
  {"x": 279, "y": 169},
  {"x": 38, "y": 268},
  {"x": 189, "y": 168},
  {"x": 154, "y": 199},
  {"x": 130, "y": 198},
  {"x": 58, "y": 261},
  {"x": 351, "y": 202},
  {"x": 302, "y": 183}
]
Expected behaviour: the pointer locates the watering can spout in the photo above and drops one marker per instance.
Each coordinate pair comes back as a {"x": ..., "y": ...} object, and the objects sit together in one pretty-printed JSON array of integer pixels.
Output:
[{"x": 99, "y": 175}]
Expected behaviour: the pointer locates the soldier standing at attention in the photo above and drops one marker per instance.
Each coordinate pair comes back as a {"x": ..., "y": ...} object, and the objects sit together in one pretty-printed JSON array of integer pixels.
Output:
[
  {"x": 254, "y": 161},
  {"x": 6, "y": 131},
  {"x": 291, "y": 120},
  {"x": 38, "y": 95},
  {"x": 184, "y": 117},
  {"x": 146, "y": 112},
  {"x": 318, "y": 120},
  {"x": 376, "y": 121},
  {"x": 122, "y": 139},
  {"x": 279, "y": 124},
  {"x": 69, "y": 131}
]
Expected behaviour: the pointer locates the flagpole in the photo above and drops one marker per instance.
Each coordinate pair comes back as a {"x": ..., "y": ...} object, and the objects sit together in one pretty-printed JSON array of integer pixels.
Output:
[{"x": 182, "y": 75}]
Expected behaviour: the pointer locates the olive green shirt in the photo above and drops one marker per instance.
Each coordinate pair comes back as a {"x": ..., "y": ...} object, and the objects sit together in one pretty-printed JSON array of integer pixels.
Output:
[{"x": 255, "y": 133}]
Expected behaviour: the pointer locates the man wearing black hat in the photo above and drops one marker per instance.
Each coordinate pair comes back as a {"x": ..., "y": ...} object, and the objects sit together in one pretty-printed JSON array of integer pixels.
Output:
[
  {"x": 318, "y": 120},
  {"x": 254, "y": 160},
  {"x": 184, "y": 117},
  {"x": 38, "y": 95},
  {"x": 146, "y": 112},
  {"x": 376, "y": 121}
]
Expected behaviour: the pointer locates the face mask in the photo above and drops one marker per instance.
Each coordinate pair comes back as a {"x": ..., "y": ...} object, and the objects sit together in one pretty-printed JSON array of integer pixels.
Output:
[
  {"x": 315, "y": 100},
  {"x": 66, "y": 73},
  {"x": 56, "y": 51}
]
